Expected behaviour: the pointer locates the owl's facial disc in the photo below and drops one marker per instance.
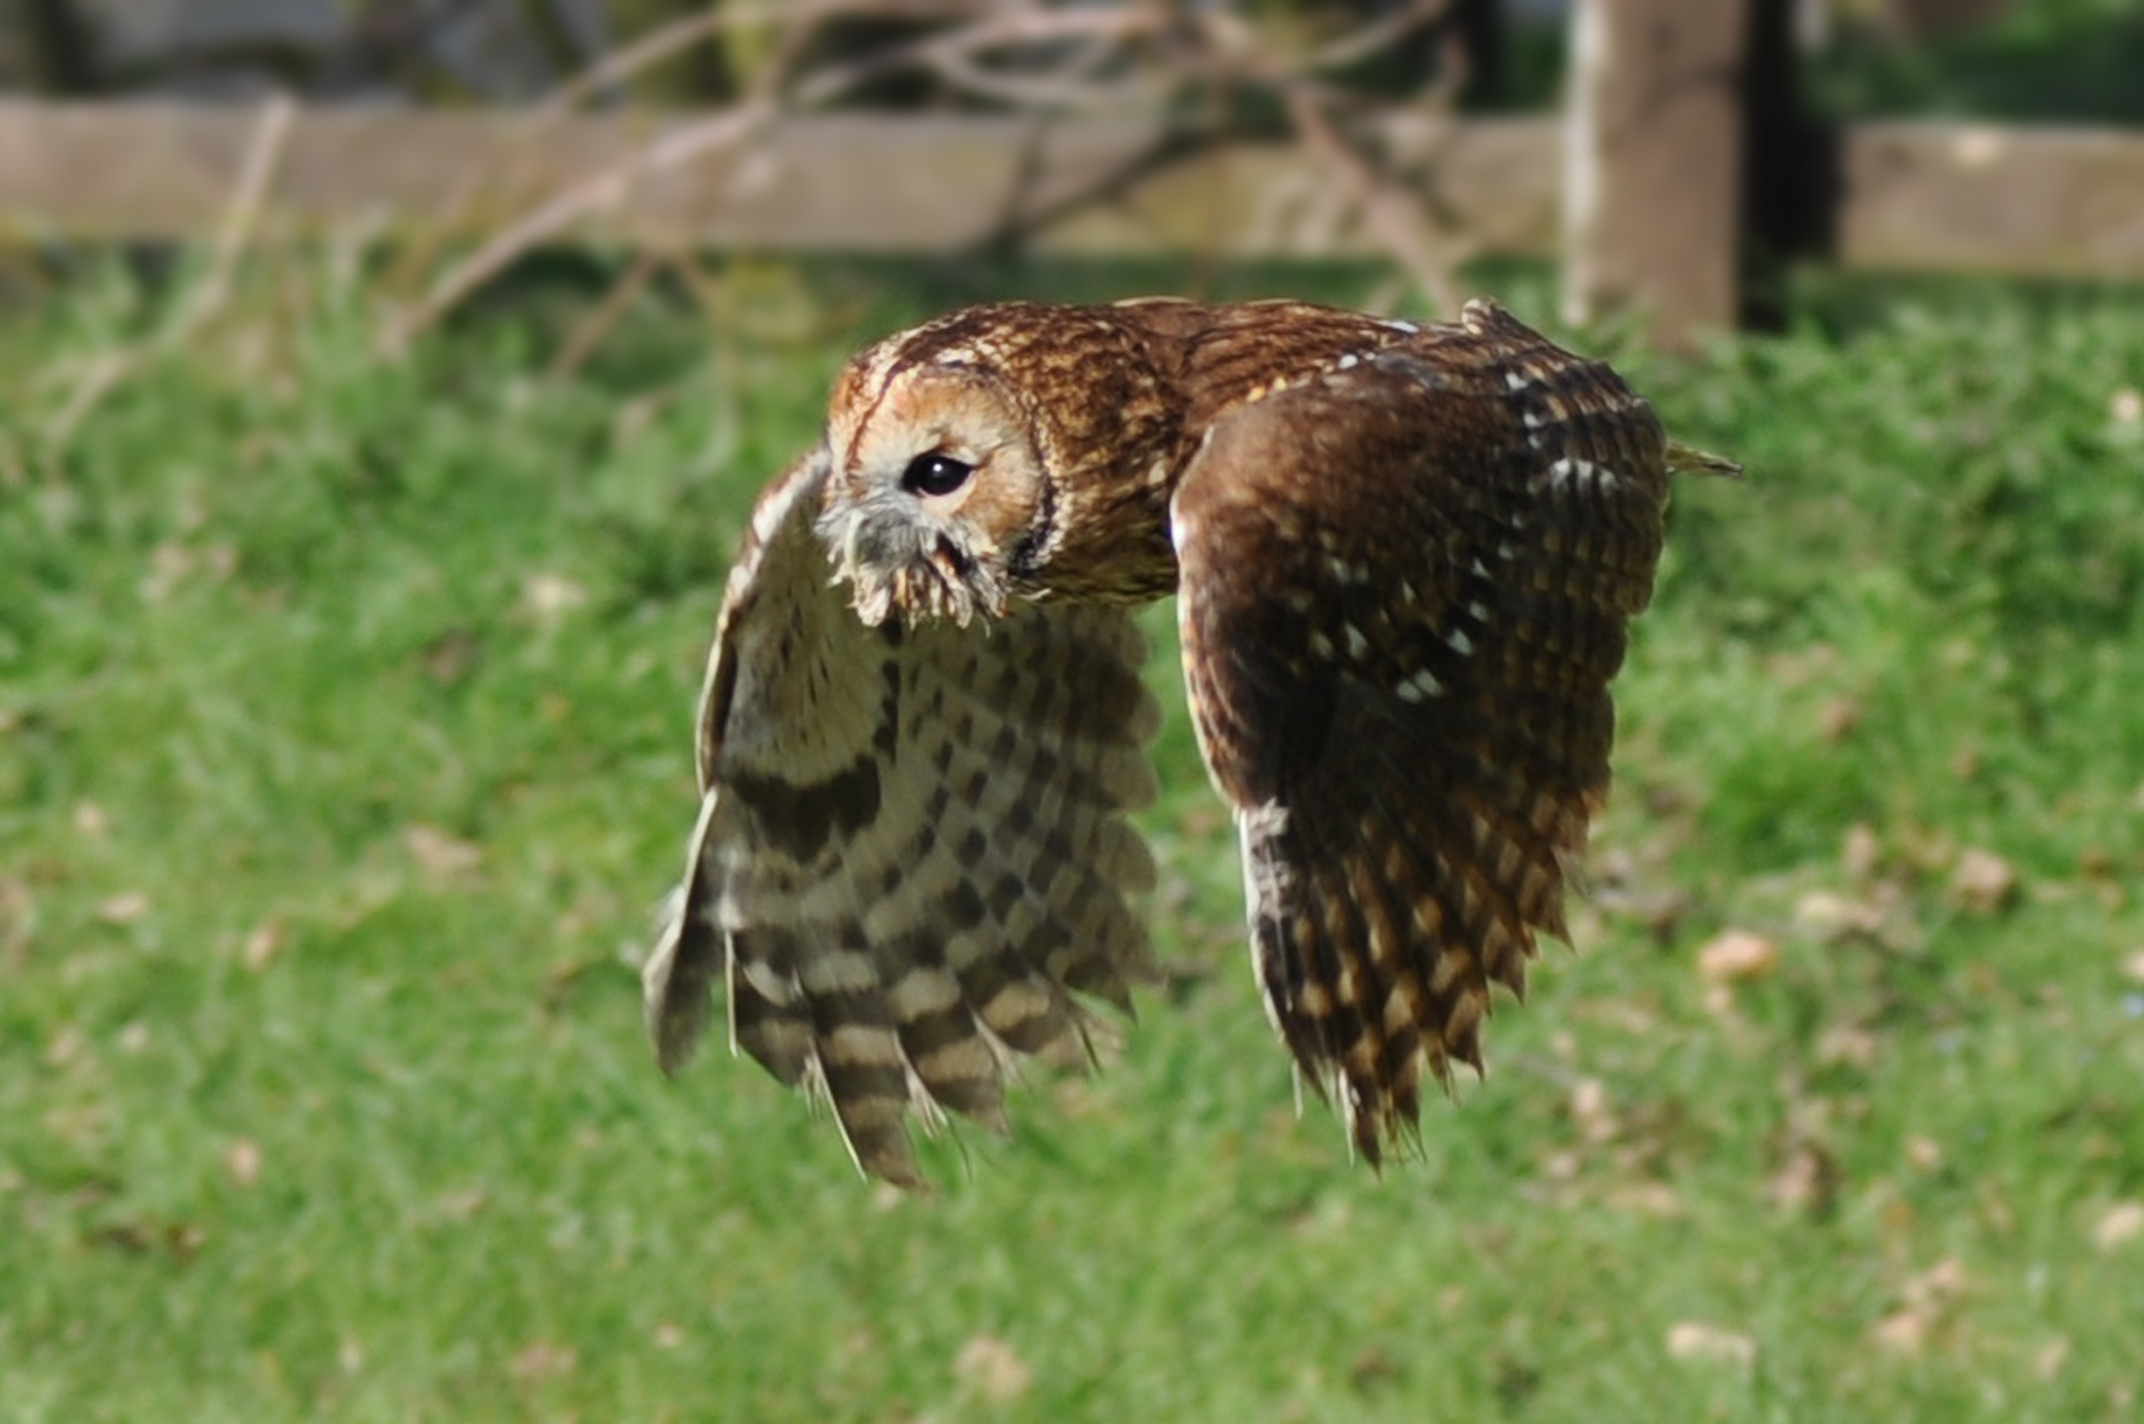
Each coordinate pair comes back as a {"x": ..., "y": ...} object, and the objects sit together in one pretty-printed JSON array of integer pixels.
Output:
[{"x": 934, "y": 485}]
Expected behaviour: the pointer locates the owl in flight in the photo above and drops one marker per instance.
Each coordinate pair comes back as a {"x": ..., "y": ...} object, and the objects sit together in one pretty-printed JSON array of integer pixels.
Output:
[{"x": 1404, "y": 558}]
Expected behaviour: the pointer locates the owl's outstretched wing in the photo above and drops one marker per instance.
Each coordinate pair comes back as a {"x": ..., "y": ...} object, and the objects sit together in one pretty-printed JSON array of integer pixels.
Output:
[
  {"x": 912, "y": 845},
  {"x": 1405, "y": 582}
]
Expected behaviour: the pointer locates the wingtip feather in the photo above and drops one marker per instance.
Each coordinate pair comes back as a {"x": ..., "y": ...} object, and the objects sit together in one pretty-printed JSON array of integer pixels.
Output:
[{"x": 1689, "y": 460}]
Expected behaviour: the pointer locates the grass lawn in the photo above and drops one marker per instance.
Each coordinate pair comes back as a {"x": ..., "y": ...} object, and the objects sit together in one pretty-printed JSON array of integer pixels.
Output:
[{"x": 345, "y": 752}]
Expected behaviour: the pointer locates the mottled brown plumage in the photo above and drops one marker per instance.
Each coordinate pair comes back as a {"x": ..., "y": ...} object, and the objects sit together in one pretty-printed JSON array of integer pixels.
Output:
[{"x": 1406, "y": 557}]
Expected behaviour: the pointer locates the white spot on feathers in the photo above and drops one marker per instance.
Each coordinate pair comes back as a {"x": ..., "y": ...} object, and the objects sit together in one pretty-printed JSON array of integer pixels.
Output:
[
  {"x": 1567, "y": 470},
  {"x": 1420, "y": 688}
]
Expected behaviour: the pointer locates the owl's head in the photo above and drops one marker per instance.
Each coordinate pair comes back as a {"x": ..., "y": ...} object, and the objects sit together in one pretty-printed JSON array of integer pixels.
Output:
[{"x": 936, "y": 496}]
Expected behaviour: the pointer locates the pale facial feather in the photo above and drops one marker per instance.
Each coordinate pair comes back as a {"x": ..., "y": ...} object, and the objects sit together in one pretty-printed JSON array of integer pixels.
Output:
[{"x": 937, "y": 555}]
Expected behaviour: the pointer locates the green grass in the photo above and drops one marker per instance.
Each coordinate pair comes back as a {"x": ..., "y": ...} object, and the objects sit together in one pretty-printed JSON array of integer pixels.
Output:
[{"x": 345, "y": 752}]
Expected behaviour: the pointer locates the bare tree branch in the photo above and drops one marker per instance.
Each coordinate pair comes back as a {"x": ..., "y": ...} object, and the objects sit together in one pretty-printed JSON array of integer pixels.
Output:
[
  {"x": 1164, "y": 46},
  {"x": 1394, "y": 218},
  {"x": 730, "y": 128},
  {"x": 1377, "y": 35},
  {"x": 1397, "y": 222},
  {"x": 682, "y": 34}
]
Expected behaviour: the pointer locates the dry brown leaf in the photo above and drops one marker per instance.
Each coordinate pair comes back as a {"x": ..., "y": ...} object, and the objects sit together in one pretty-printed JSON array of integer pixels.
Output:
[
  {"x": 1696, "y": 1340},
  {"x": 242, "y": 1160},
  {"x": 124, "y": 908},
  {"x": 1656, "y": 1200},
  {"x": 66, "y": 1048},
  {"x": 1903, "y": 1332},
  {"x": 1943, "y": 1281},
  {"x": 1829, "y": 916},
  {"x": 992, "y": 1369},
  {"x": 2119, "y": 1225},
  {"x": 1846, "y": 1045},
  {"x": 1837, "y": 719},
  {"x": 1736, "y": 957},
  {"x": 550, "y": 597},
  {"x": 1983, "y": 881},
  {"x": 169, "y": 562},
  {"x": 1591, "y": 1111},
  {"x": 263, "y": 943},
  {"x": 440, "y": 854},
  {"x": 1372, "y": 1367},
  {"x": 1924, "y": 1300},
  {"x": 1808, "y": 1181},
  {"x": 450, "y": 656},
  {"x": 1860, "y": 852}
]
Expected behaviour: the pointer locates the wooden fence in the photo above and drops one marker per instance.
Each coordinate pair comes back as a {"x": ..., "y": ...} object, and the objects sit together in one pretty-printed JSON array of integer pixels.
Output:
[{"x": 1677, "y": 169}]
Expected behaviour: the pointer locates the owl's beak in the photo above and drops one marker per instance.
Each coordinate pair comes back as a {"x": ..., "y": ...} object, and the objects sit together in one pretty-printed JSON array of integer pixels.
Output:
[{"x": 891, "y": 564}]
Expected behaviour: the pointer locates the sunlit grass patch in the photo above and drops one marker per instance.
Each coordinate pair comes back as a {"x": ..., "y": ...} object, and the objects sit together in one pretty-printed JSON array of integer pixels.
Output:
[{"x": 345, "y": 753}]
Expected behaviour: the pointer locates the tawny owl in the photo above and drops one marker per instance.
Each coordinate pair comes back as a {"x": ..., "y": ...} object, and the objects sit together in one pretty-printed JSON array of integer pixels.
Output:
[{"x": 1404, "y": 558}]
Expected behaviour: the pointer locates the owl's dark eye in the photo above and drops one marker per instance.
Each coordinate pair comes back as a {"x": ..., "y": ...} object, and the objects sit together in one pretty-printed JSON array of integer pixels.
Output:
[{"x": 935, "y": 474}]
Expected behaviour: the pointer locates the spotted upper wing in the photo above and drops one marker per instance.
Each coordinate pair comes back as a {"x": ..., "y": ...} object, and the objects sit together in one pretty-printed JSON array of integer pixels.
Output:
[
  {"x": 912, "y": 845},
  {"x": 1405, "y": 581}
]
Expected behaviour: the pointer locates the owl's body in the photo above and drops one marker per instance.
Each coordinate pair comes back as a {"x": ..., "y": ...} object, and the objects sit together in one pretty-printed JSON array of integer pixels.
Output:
[{"x": 1405, "y": 558}]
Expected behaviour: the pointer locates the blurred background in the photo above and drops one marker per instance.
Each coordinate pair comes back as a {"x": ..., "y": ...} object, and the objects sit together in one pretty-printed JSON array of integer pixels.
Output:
[{"x": 384, "y": 386}]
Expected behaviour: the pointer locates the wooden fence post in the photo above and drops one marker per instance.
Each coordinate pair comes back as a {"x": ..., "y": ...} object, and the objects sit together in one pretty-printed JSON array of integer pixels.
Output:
[{"x": 1653, "y": 163}]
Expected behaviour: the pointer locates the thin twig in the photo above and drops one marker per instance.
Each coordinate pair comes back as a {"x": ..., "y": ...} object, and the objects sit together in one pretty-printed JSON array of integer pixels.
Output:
[
  {"x": 1224, "y": 50},
  {"x": 241, "y": 215},
  {"x": 682, "y": 34},
  {"x": 555, "y": 215},
  {"x": 1378, "y": 34},
  {"x": 1395, "y": 221},
  {"x": 1039, "y": 91},
  {"x": 1393, "y": 218},
  {"x": 234, "y": 235},
  {"x": 589, "y": 332},
  {"x": 731, "y": 128}
]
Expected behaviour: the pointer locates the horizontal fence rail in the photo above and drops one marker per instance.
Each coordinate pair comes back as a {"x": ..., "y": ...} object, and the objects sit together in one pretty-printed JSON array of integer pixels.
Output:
[
  {"x": 851, "y": 182},
  {"x": 2018, "y": 201},
  {"x": 2010, "y": 200}
]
